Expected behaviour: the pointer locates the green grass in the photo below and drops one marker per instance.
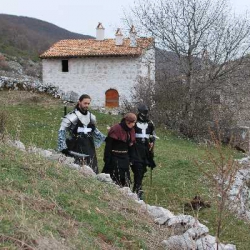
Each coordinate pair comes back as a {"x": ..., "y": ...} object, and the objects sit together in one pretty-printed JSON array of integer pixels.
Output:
[
  {"x": 6, "y": 48},
  {"x": 43, "y": 200},
  {"x": 176, "y": 179}
]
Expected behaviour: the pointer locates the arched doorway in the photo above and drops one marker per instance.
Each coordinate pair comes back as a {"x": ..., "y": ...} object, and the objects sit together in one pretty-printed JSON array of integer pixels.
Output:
[{"x": 112, "y": 98}]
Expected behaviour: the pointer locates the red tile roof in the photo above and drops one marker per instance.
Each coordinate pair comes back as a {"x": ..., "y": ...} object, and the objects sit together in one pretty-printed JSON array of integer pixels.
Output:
[{"x": 92, "y": 47}]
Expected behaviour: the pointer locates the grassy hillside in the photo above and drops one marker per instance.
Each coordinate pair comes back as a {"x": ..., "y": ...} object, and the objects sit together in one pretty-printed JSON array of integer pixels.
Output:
[
  {"x": 48, "y": 206},
  {"x": 35, "y": 119}
]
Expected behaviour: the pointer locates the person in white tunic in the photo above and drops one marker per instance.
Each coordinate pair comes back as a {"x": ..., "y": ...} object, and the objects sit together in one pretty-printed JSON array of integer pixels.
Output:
[
  {"x": 78, "y": 133},
  {"x": 145, "y": 139}
]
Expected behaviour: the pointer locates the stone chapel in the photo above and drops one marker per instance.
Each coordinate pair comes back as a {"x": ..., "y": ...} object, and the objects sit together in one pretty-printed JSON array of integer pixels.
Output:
[{"x": 105, "y": 69}]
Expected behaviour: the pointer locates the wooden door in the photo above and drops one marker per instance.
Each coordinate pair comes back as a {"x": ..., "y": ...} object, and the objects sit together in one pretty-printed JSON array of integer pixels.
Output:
[{"x": 112, "y": 98}]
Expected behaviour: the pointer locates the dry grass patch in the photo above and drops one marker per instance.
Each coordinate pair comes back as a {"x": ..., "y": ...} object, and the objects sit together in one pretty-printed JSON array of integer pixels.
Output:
[{"x": 15, "y": 98}]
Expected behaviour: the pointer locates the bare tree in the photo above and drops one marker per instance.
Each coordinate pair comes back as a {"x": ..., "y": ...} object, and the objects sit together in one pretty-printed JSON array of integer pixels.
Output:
[
  {"x": 221, "y": 177},
  {"x": 208, "y": 43}
]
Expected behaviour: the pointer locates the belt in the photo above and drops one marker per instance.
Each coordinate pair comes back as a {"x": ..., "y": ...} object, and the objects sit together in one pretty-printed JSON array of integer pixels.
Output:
[
  {"x": 81, "y": 135},
  {"x": 120, "y": 152},
  {"x": 142, "y": 140}
]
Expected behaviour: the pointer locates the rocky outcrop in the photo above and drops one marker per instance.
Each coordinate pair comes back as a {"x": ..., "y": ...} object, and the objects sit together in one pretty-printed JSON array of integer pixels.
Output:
[
  {"x": 239, "y": 194},
  {"x": 22, "y": 74},
  {"x": 26, "y": 83}
]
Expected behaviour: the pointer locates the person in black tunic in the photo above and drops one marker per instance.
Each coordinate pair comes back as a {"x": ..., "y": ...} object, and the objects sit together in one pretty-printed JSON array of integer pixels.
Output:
[
  {"x": 83, "y": 134},
  {"x": 118, "y": 150},
  {"x": 145, "y": 139}
]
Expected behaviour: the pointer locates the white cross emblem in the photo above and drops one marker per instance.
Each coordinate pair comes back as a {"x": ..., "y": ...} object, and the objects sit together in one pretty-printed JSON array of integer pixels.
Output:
[
  {"x": 143, "y": 133},
  {"x": 84, "y": 130},
  {"x": 143, "y": 127}
]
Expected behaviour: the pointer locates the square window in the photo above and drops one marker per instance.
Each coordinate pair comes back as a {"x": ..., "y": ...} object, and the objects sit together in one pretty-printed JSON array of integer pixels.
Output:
[{"x": 216, "y": 99}]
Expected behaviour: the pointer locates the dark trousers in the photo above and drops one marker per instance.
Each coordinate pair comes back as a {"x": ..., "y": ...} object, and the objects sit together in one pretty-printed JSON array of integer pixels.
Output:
[
  {"x": 139, "y": 170},
  {"x": 121, "y": 177},
  {"x": 118, "y": 168}
]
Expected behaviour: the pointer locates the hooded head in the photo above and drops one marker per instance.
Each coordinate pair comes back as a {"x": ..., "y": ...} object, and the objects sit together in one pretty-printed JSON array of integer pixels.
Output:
[{"x": 143, "y": 112}]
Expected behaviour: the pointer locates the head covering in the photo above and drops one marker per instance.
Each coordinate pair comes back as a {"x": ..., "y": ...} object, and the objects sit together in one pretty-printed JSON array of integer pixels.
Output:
[
  {"x": 122, "y": 133},
  {"x": 143, "y": 108},
  {"x": 130, "y": 117},
  {"x": 143, "y": 113}
]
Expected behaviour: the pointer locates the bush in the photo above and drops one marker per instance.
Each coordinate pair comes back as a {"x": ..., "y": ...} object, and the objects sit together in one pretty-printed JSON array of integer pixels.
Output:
[{"x": 3, "y": 64}]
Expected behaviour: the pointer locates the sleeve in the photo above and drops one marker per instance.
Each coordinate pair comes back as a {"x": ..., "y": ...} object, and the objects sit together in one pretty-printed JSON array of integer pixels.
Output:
[
  {"x": 152, "y": 132},
  {"x": 62, "y": 133},
  {"x": 107, "y": 150},
  {"x": 107, "y": 169},
  {"x": 134, "y": 155},
  {"x": 98, "y": 137},
  {"x": 62, "y": 140},
  {"x": 151, "y": 152}
]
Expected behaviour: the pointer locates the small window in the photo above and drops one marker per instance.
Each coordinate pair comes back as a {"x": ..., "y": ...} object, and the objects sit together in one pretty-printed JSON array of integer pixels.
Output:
[
  {"x": 216, "y": 99},
  {"x": 65, "y": 66}
]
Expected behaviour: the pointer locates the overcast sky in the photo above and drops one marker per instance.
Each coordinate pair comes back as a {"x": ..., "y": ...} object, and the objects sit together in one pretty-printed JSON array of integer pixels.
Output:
[{"x": 82, "y": 16}]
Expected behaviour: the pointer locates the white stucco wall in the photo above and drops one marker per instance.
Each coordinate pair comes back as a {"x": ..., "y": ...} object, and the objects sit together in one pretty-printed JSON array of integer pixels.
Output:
[
  {"x": 95, "y": 75},
  {"x": 148, "y": 64}
]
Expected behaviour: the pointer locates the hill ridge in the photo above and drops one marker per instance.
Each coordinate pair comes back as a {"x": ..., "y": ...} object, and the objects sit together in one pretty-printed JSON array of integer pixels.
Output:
[{"x": 28, "y": 36}]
